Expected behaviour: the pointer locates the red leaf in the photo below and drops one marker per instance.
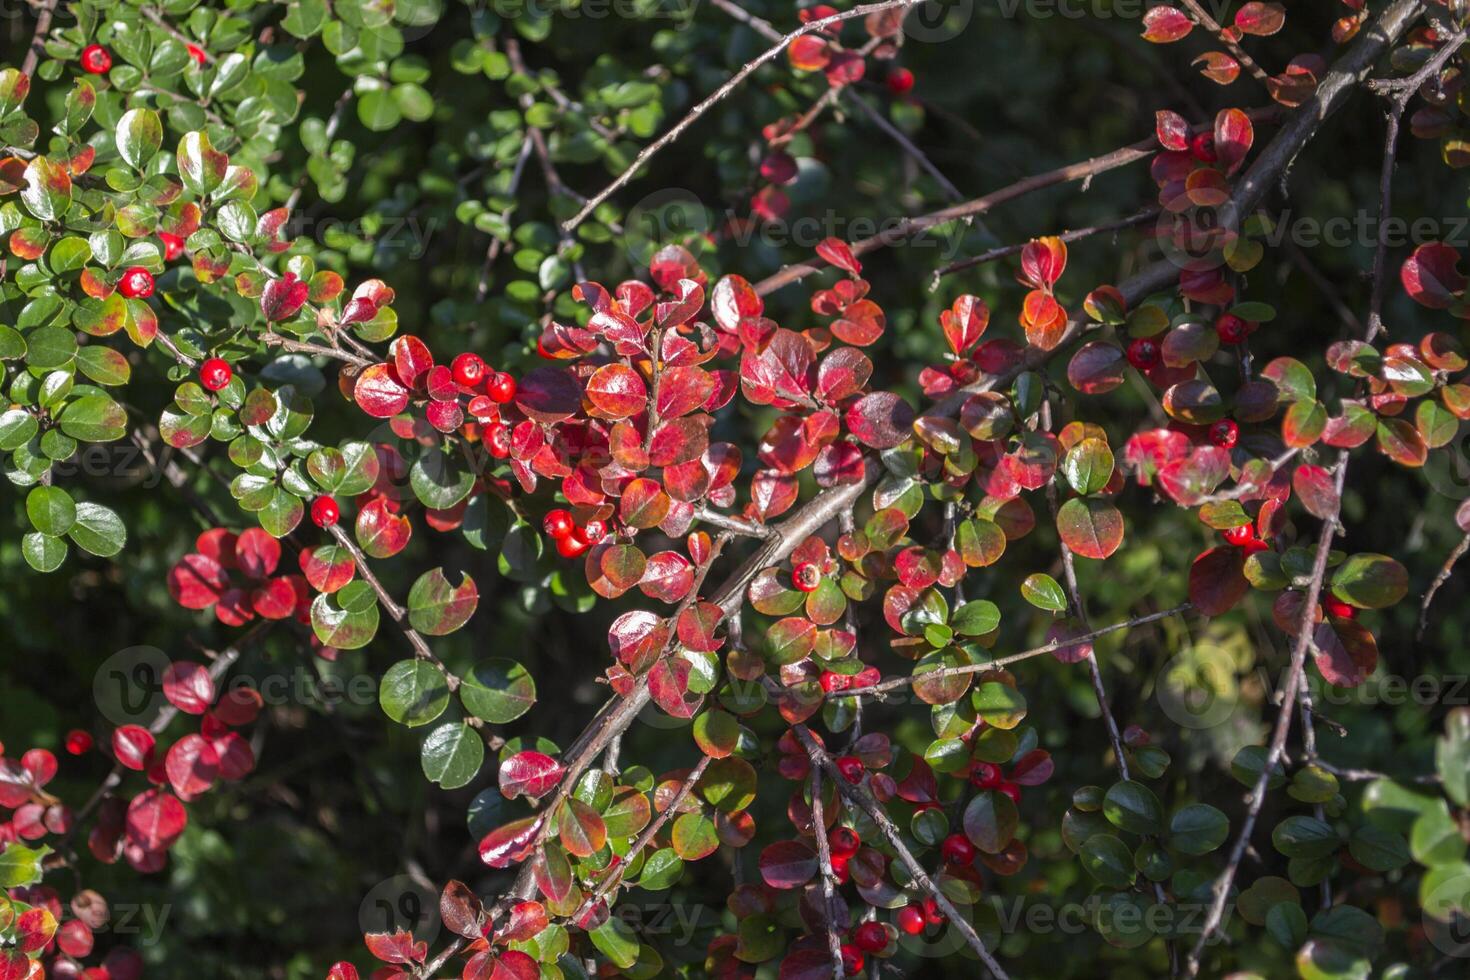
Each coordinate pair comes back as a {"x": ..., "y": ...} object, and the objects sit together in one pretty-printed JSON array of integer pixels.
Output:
[
  {"x": 781, "y": 372},
  {"x": 549, "y": 394},
  {"x": 197, "y": 581},
  {"x": 188, "y": 687},
  {"x": 1260, "y": 19},
  {"x": 881, "y": 420},
  {"x": 529, "y": 773},
  {"x": 1165, "y": 24},
  {"x": 398, "y": 947},
  {"x": 283, "y": 297},
  {"x": 511, "y": 843},
  {"x": 378, "y": 393},
  {"x": 132, "y": 746},
  {"x": 192, "y": 766},
  {"x": 155, "y": 820},
  {"x": 1043, "y": 261},
  {"x": 837, "y": 252},
  {"x": 1233, "y": 137},
  {"x": 1431, "y": 276},
  {"x": 1172, "y": 130},
  {"x": 1217, "y": 580},
  {"x": 964, "y": 323},
  {"x": 788, "y": 864}
]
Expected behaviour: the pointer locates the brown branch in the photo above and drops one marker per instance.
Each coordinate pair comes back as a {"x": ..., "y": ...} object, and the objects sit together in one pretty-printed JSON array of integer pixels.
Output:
[
  {"x": 1283, "y": 724},
  {"x": 1397, "y": 91},
  {"x": 727, "y": 522},
  {"x": 1202, "y": 16},
  {"x": 730, "y": 84},
  {"x": 1004, "y": 251},
  {"x": 273, "y": 339},
  {"x": 825, "y": 872},
  {"x": 901, "y": 682},
  {"x": 860, "y": 797},
  {"x": 1440, "y": 579},
  {"x": 38, "y": 39}
]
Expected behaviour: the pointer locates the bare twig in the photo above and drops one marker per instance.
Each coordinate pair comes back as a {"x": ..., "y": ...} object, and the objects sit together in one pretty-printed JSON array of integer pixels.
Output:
[
  {"x": 730, "y": 84},
  {"x": 38, "y": 39},
  {"x": 1440, "y": 579},
  {"x": 1003, "y": 251},
  {"x": 825, "y": 872},
  {"x": 735, "y": 525},
  {"x": 1202, "y": 16}
]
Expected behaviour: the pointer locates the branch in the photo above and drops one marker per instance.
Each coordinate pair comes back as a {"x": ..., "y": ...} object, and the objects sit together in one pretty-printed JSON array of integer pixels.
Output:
[
  {"x": 1283, "y": 723},
  {"x": 1440, "y": 579},
  {"x": 730, "y": 84},
  {"x": 861, "y": 798},
  {"x": 38, "y": 38},
  {"x": 273, "y": 339},
  {"x": 1004, "y": 251},
  {"x": 727, "y": 522},
  {"x": 825, "y": 872},
  {"x": 1202, "y": 16}
]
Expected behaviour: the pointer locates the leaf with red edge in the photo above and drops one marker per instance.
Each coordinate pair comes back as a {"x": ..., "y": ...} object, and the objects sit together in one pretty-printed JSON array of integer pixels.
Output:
[
  {"x": 1233, "y": 137},
  {"x": 733, "y": 300},
  {"x": 781, "y": 371},
  {"x": 1346, "y": 652},
  {"x": 188, "y": 687},
  {"x": 549, "y": 394},
  {"x": 1042, "y": 262},
  {"x": 398, "y": 947},
  {"x": 378, "y": 393},
  {"x": 787, "y": 864},
  {"x": 668, "y": 577},
  {"x": 197, "y": 581},
  {"x": 1217, "y": 580},
  {"x": 617, "y": 391},
  {"x": 1315, "y": 487},
  {"x": 529, "y": 773},
  {"x": 381, "y": 531},
  {"x": 1096, "y": 368},
  {"x": 1401, "y": 442},
  {"x": 636, "y": 638},
  {"x": 964, "y": 323},
  {"x": 836, "y": 252},
  {"x": 282, "y": 298},
  {"x": 1163, "y": 25},
  {"x": 580, "y": 828},
  {"x": 155, "y": 819},
  {"x": 192, "y": 766},
  {"x": 412, "y": 361},
  {"x": 132, "y": 747},
  {"x": 1091, "y": 527},
  {"x": 1172, "y": 130},
  {"x": 327, "y": 567},
  {"x": 881, "y": 420},
  {"x": 342, "y": 970},
  {"x": 861, "y": 323},
  {"x": 511, "y": 843},
  {"x": 1260, "y": 19},
  {"x": 1431, "y": 276},
  {"x": 1219, "y": 67},
  {"x": 644, "y": 504},
  {"x": 668, "y": 683}
]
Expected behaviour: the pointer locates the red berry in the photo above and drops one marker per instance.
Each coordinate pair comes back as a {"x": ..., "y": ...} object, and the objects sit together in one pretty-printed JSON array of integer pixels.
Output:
[
  {"x": 137, "y": 282},
  {"x": 900, "y": 81},
  {"x": 843, "y": 842},
  {"x": 831, "y": 681},
  {"x": 1231, "y": 329},
  {"x": 78, "y": 741},
  {"x": 911, "y": 920},
  {"x": 957, "y": 849},
  {"x": 501, "y": 388},
  {"x": 870, "y": 937},
  {"x": 985, "y": 775},
  {"x": 215, "y": 373},
  {"x": 1238, "y": 536},
  {"x": 95, "y": 59},
  {"x": 1011, "y": 790},
  {"x": 173, "y": 246},
  {"x": 851, "y": 768},
  {"x": 852, "y": 960},
  {"x": 570, "y": 546},
  {"x": 1334, "y": 606},
  {"x": 1202, "y": 145},
  {"x": 806, "y": 576},
  {"x": 468, "y": 370},
  {"x": 197, "y": 53},
  {"x": 1224, "y": 433},
  {"x": 932, "y": 915},
  {"x": 839, "y": 869},
  {"x": 558, "y": 523},
  {"x": 1253, "y": 546},
  {"x": 1143, "y": 353},
  {"x": 591, "y": 532},
  {"x": 497, "y": 437},
  {"x": 324, "y": 512}
]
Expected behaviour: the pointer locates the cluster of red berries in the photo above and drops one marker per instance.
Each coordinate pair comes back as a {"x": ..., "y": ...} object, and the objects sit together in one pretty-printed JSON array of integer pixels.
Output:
[
  {"x": 913, "y": 919},
  {"x": 324, "y": 511},
  {"x": 1244, "y": 537},
  {"x": 470, "y": 371},
  {"x": 868, "y": 937},
  {"x": 987, "y": 775},
  {"x": 570, "y": 537}
]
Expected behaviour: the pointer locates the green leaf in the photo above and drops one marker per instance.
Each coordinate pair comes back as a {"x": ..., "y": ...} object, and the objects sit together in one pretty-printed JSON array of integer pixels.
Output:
[
  {"x": 43, "y": 552},
  {"x": 1043, "y": 592},
  {"x": 1108, "y": 860},
  {"x": 438, "y": 483},
  {"x": 616, "y": 940},
  {"x": 139, "y": 135},
  {"x": 1197, "y": 828},
  {"x": 98, "y": 530},
  {"x": 104, "y": 365},
  {"x": 1380, "y": 850},
  {"x": 498, "y": 691},
  {"x": 346, "y": 619},
  {"x": 1132, "y": 806},
  {"x": 990, "y": 821},
  {"x": 976, "y": 618},
  {"x": 1000, "y": 705},
  {"x": 51, "y": 510},
  {"x": 21, "y": 865},
  {"x": 94, "y": 418},
  {"x": 452, "y": 754},
  {"x": 1452, "y": 756},
  {"x": 1370, "y": 581},
  {"x": 413, "y": 692},
  {"x": 1435, "y": 837},
  {"x": 1306, "y": 837},
  {"x": 47, "y": 194},
  {"x": 436, "y": 607},
  {"x": 1088, "y": 465}
]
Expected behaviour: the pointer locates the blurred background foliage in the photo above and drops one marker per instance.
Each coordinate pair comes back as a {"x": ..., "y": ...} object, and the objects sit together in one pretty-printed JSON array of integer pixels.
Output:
[{"x": 279, "y": 875}]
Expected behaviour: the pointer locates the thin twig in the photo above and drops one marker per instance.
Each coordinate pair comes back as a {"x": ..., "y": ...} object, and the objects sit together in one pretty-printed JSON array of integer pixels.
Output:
[
  {"x": 730, "y": 84},
  {"x": 1208, "y": 23},
  {"x": 1067, "y": 236},
  {"x": 1440, "y": 579},
  {"x": 38, "y": 39},
  {"x": 825, "y": 872}
]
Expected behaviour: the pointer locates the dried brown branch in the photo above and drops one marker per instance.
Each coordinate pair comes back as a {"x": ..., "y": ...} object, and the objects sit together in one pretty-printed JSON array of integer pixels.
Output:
[{"x": 1440, "y": 579}]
